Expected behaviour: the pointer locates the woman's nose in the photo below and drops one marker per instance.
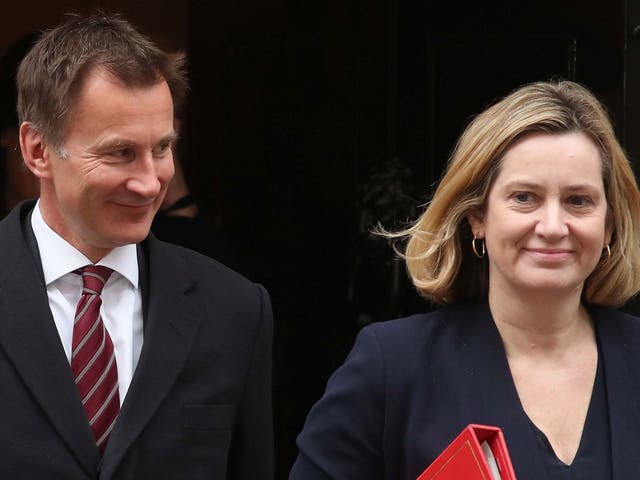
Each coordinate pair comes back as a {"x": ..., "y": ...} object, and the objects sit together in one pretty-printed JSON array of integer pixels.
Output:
[{"x": 552, "y": 221}]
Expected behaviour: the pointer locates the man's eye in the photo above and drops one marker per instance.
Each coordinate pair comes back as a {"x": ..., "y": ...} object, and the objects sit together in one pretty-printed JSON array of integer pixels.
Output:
[
  {"x": 122, "y": 153},
  {"x": 162, "y": 149}
]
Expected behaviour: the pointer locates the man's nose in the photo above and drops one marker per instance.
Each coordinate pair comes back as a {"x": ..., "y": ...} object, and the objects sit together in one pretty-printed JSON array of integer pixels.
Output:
[{"x": 144, "y": 179}]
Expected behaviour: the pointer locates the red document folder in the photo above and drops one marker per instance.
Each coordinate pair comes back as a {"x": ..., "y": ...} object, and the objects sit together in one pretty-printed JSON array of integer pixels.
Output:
[{"x": 464, "y": 458}]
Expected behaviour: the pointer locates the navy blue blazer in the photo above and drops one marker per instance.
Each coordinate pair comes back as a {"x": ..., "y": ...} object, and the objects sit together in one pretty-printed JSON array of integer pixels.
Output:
[
  {"x": 199, "y": 403},
  {"x": 409, "y": 386}
]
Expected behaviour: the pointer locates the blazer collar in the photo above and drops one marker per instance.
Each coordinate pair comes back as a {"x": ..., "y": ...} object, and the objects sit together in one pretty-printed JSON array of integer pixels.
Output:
[
  {"x": 498, "y": 402},
  {"x": 619, "y": 336},
  {"x": 171, "y": 323},
  {"x": 27, "y": 326},
  {"x": 491, "y": 383}
]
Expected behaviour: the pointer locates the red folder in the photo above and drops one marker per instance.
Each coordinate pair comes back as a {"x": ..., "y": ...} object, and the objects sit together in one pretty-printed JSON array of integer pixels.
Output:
[{"x": 465, "y": 459}]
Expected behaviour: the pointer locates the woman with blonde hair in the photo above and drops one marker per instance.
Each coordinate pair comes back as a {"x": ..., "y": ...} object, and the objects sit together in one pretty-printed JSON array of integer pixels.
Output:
[{"x": 530, "y": 240}]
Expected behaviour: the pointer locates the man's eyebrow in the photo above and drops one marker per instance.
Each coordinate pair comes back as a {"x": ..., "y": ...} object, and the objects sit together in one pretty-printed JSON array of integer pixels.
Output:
[
  {"x": 119, "y": 143},
  {"x": 168, "y": 138},
  {"x": 113, "y": 144}
]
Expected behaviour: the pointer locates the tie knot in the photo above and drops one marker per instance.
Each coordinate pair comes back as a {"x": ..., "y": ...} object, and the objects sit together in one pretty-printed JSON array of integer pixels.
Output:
[{"x": 93, "y": 278}]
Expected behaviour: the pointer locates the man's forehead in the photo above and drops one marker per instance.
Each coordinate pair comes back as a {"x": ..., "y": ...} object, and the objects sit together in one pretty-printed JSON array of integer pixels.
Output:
[
  {"x": 101, "y": 73},
  {"x": 106, "y": 102},
  {"x": 99, "y": 79}
]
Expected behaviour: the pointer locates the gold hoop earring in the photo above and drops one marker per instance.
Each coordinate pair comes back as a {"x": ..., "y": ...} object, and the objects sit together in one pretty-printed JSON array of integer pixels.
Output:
[
  {"x": 608, "y": 249},
  {"x": 475, "y": 249}
]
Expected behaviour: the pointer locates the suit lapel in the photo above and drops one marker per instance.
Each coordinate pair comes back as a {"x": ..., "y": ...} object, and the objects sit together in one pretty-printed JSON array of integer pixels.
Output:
[
  {"x": 490, "y": 384},
  {"x": 619, "y": 339},
  {"x": 30, "y": 340},
  {"x": 170, "y": 327}
]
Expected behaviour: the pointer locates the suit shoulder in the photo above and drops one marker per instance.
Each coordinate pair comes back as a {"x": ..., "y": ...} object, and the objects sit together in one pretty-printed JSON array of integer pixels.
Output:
[
  {"x": 206, "y": 267},
  {"x": 623, "y": 321},
  {"x": 215, "y": 286},
  {"x": 221, "y": 293},
  {"x": 418, "y": 327}
]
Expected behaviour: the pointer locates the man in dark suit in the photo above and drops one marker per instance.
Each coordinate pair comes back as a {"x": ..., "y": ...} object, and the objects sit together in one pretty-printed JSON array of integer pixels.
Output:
[{"x": 121, "y": 356}]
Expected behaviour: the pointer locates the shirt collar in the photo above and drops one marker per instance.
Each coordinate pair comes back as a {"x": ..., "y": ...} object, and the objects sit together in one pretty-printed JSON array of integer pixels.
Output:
[{"x": 59, "y": 257}]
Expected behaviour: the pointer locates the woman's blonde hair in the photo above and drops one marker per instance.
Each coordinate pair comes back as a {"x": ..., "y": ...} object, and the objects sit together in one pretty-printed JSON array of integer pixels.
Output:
[{"x": 438, "y": 253}]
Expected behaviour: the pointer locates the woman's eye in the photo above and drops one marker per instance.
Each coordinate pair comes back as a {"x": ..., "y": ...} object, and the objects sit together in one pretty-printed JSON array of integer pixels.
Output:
[
  {"x": 522, "y": 197},
  {"x": 579, "y": 201}
]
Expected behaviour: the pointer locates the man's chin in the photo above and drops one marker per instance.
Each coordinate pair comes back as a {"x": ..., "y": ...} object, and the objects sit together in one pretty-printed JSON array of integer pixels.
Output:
[{"x": 130, "y": 235}]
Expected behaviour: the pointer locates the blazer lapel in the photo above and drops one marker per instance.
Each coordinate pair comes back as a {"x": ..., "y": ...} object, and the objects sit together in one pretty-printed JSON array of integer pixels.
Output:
[
  {"x": 30, "y": 340},
  {"x": 491, "y": 383},
  {"x": 498, "y": 403},
  {"x": 619, "y": 339},
  {"x": 170, "y": 327}
]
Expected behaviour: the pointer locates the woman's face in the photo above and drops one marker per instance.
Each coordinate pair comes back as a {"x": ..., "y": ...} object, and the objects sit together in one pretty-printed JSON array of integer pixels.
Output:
[{"x": 545, "y": 220}]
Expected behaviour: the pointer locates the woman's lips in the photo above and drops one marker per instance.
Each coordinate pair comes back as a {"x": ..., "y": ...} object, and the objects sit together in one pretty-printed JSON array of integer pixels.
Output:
[{"x": 550, "y": 254}]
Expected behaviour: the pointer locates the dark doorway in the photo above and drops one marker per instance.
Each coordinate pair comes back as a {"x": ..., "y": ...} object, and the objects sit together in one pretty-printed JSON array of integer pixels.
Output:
[{"x": 311, "y": 121}]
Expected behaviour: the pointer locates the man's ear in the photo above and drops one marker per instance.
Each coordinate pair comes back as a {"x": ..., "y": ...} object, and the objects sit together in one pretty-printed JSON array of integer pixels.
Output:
[
  {"x": 476, "y": 221},
  {"x": 34, "y": 151}
]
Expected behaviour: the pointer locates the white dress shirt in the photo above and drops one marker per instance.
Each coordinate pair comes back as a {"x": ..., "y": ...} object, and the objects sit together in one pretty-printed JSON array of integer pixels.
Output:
[{"x": 121, "y": 308}]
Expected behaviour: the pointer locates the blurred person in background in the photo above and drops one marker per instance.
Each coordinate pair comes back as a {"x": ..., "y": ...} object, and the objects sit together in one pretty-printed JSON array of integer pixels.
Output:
[{"x": 16, "y": 181}]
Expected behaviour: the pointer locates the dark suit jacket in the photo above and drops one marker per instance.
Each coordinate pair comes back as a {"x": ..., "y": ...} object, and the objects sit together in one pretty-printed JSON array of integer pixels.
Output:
[
  {"x": 410, "y": 386},
  {"x": 199, "y": 404}
]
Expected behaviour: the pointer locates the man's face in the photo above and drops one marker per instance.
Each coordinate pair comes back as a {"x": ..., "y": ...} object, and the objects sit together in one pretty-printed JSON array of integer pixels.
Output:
[{"x": 118, "y": 164}]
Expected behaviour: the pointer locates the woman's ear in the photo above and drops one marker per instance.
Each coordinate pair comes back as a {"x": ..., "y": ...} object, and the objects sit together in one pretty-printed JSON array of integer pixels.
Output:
[
  {"x": 609, "y": 228},
  {"x": 34, "y": 151},
  {"x": 476, "y": 221},
  {"x": 608, "y": 235}
]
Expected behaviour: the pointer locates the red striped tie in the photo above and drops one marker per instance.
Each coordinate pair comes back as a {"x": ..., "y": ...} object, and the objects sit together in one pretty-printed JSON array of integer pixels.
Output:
[{"x": 93, "y": 361}]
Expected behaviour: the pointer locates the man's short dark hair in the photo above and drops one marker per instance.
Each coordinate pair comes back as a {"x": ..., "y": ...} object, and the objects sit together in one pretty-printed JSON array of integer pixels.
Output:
[{"x": 52, "y": 74}]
